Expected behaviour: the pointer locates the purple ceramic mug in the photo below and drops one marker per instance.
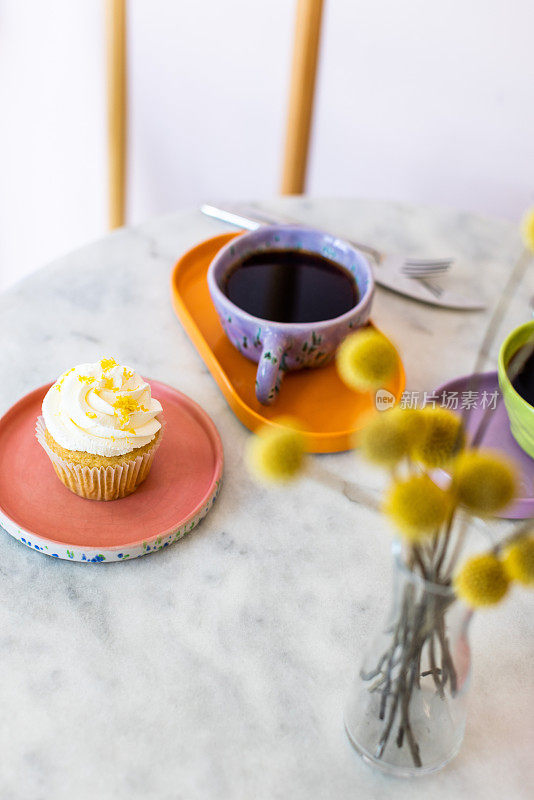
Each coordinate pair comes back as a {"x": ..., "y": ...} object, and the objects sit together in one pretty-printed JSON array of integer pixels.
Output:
[{"x": 281, "y": 346}]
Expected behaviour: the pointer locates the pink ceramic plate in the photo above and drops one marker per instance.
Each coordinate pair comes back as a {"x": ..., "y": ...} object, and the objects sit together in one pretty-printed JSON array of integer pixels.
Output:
[{"x": 39, "y": 511}]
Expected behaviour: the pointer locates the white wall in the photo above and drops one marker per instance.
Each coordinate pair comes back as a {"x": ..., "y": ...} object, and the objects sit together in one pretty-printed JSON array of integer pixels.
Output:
[
  {"x": 51, "y": 130},
  {"x": 428, "y": 102},
  {"x": 417, "y": 101}
]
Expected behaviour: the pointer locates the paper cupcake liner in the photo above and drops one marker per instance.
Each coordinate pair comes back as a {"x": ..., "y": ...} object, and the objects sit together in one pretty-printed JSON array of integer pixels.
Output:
[{"x": 100, "y": 483}]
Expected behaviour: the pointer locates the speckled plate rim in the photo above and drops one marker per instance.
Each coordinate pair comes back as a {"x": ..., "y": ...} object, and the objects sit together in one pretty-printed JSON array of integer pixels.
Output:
[{"x": 137, "y": 548}]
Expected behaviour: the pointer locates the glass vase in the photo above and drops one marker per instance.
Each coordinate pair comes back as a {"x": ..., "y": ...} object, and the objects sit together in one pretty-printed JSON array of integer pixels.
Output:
[{"x": 407, "y": 709}]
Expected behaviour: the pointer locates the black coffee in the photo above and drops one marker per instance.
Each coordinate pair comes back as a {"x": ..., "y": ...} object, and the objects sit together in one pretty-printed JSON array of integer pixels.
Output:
[
  {"x": 524, "y": 382},
  {"x": 290, "y": 286}
]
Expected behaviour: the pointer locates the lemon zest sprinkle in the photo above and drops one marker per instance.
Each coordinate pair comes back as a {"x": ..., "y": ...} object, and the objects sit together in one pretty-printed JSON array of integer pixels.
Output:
[
  {"x": 125, "y": 407},
  {"x": 59, "y": 383}
]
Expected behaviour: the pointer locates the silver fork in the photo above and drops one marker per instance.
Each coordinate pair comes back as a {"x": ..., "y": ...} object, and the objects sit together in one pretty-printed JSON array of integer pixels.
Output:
[
  {"x": 250, "y": 217},
  {"x": 419, "y": 267}
]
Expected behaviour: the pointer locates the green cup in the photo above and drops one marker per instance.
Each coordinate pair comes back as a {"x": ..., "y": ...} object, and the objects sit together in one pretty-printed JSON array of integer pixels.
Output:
[{"x": 520, "y": 413}]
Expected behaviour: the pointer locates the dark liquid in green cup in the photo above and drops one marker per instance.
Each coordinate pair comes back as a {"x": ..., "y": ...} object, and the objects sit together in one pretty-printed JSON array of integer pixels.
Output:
[{"x": 523, "y": 383}]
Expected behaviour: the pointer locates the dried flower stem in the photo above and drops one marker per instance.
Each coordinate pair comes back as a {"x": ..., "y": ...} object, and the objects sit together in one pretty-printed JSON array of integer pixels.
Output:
[{"x": 422, "y": 622}]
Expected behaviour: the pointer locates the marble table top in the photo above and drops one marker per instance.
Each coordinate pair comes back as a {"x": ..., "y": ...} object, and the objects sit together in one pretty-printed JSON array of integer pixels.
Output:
[{"x": 219, "y": 667}]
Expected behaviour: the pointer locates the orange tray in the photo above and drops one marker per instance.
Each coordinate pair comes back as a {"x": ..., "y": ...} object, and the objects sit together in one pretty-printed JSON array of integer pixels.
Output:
[{"x": 330, "y": 413}]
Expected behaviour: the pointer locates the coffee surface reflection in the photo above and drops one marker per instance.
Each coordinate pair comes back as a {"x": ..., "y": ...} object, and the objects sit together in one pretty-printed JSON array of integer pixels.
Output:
[{"x": 290, "y": 286}]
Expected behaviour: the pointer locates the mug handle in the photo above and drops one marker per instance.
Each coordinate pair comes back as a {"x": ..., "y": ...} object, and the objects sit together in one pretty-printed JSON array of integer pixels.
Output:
[{"x": 269, "y": 375}]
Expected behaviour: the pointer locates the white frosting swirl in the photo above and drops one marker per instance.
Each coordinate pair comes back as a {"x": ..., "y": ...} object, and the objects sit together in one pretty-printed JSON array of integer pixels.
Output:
[{"x": 103, "y": 408}]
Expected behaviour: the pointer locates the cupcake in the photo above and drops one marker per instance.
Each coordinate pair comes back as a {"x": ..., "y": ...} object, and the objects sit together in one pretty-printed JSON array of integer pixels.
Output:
[{"x": 100, "y": 427}]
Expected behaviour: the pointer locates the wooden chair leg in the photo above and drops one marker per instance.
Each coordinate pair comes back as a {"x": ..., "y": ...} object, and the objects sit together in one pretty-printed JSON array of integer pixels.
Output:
[
  {"x": 301, "y": 95},
  {"x": 117, "y": 109}
]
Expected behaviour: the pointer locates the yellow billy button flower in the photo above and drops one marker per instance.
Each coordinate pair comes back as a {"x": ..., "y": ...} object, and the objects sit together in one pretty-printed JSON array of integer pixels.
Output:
[
  {"x": 276, "y": 455},
  {"x": 483, "y": 481},
  {"x": 441, "y": 438},
  {"x": 412, "y": 421},
  {"x": 482, "y": 581},
  {"x": 389, "y": 436},
  {"x": 527, "y": 229},
  {"x": 518, "y": 560},
  {"x": 417, "y": 507},
  {"x": 366, "y": 360}
]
